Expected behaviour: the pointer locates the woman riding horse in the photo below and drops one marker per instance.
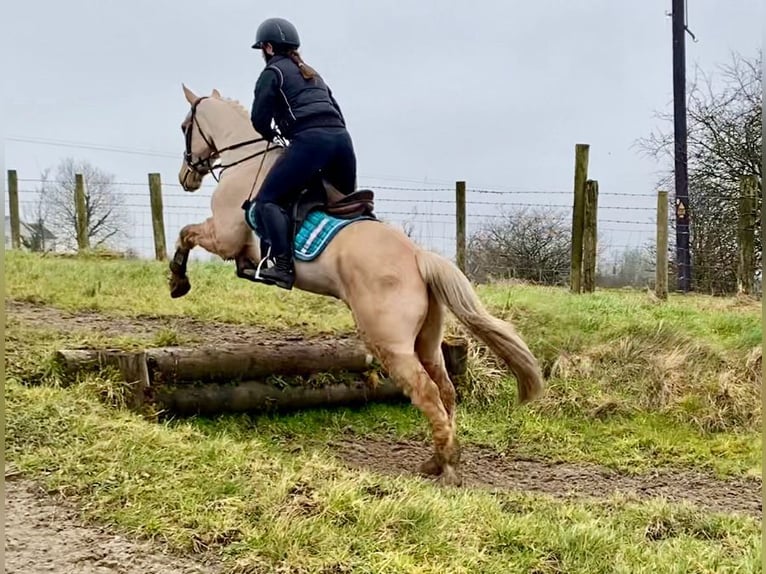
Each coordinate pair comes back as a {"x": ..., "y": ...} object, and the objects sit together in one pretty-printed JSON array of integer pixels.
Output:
[{"x": 306, "y": 113}]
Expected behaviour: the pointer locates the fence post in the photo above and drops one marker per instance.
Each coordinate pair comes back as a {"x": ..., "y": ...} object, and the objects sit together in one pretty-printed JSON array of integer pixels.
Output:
[
  {"x": 460, "y": 224},
  {"x": 590, "y": 236},
  {"x": 13, "y": 205},
  {"x": 746, "y": 234},
  {"x": 578, "y": 216},
  {"x": 158, "y": 222},
  {"x": 661, "y": 265},
  {"x": 82, "y": 212}
]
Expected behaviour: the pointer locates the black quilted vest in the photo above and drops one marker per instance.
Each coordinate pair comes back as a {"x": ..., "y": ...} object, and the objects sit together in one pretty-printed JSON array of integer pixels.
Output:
[{"x": 301, "y": 103}]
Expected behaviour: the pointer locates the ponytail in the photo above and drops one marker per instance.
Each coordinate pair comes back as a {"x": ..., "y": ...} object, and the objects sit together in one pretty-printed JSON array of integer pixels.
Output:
[{"x": 306, "y": 71}]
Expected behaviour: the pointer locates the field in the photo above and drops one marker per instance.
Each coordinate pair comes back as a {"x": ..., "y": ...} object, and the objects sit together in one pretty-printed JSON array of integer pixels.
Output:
[{"x": 644, "y": 455}]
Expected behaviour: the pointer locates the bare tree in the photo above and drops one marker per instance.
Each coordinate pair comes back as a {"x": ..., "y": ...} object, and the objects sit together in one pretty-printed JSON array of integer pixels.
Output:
[
  {"x": 633, "y": 267},
  {"x": 106, "y": 218},
  {"x": 724, "y": 116},
  {"x": 36, "y": 235},
  {"x": 533, "y": 245},
  {"x": 408, "y": 225}
]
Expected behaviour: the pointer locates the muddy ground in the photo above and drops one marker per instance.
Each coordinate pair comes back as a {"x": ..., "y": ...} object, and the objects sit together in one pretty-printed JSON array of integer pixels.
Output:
[
  {"x": 487, "y": 469},
  {"x": 43, "y": 536}
]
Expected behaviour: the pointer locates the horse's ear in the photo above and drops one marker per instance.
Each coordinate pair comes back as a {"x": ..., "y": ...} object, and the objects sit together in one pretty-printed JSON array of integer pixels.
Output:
[
  {"x": 216, "y": 94},
  {"x": 190, "y": 96}
]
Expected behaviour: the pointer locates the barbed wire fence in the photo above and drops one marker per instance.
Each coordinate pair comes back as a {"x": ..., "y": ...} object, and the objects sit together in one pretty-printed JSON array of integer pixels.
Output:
[
  {"x": 426, "y": 214},
  {"x": 438, "y": 217}
]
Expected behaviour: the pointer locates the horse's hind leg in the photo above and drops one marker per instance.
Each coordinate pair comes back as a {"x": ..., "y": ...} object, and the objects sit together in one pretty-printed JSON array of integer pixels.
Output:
[
  {"x": 425, "y": 394},
  {"x": 190, "y": 236},
  {"x": 428, "y": 349}
]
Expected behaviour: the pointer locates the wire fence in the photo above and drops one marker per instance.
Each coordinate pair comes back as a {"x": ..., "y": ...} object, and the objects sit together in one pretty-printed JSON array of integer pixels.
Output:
[
  {"x": 626, "y": 223},
  {"x": 426, "y": 213}
]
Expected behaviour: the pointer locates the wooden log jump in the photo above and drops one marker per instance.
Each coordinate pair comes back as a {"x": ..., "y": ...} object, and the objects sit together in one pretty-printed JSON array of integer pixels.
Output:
[
  {"x": 238, "y": 378},
  {"x": 248, "y": 396}
]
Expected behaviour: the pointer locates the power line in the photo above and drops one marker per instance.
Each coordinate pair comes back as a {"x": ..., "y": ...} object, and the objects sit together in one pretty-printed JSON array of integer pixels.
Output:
[
  {"x": 164, "y": 154},
  {"x": 437, "y": 186},
  {"x": 92, "y": 146}
]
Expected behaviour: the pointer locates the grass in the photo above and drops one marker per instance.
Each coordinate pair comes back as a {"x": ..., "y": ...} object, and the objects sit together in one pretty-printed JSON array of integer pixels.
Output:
[
  {"x": 136, "y": 288},
  {"x": 265, "y": 508},
  {"x": 633, "y": 385},
  {"x": 551, "y": 319}
]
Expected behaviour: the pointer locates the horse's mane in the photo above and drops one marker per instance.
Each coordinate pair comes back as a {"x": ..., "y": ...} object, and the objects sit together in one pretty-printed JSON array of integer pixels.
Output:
[{"x": 238, "y": 107}]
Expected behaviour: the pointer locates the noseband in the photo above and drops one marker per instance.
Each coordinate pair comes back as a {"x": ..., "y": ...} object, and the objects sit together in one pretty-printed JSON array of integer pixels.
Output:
[{"x": 203, "y": 166}]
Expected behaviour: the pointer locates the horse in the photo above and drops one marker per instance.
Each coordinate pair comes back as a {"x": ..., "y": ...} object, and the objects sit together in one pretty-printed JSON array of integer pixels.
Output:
[{"x": 396, "y": 291}]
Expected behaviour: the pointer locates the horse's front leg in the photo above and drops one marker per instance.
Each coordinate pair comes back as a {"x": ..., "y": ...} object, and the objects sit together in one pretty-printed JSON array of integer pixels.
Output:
[{"x": 190, "y": 236}]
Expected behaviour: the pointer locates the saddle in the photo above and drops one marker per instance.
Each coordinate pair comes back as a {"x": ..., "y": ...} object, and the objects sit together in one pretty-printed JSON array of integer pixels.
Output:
[
  {"x": 356, "y": 204},
  {"x": 319, "y": 196}
]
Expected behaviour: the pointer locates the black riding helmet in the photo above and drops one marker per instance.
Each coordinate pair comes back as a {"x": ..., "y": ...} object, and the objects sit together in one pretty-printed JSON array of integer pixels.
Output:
[{"x": 277, "y": 31}]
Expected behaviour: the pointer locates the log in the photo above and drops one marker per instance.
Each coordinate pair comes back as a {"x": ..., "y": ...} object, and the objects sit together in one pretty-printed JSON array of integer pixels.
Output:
[
  {"x": 133, "y": 370},
  {"x": 255, "y": 396},
  {"x": 230, "y": 363},
  {"x": 173, "y": 365},
  {"x": 72, "y": 362},
  {"x": 240, "y": 362},
  {"x": 455, "y": 354},
  {"x": 233, "y": 379}
]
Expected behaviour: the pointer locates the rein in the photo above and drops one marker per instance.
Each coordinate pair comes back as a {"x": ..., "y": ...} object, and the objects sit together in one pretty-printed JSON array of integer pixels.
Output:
[{"x": 205, "y": 163}]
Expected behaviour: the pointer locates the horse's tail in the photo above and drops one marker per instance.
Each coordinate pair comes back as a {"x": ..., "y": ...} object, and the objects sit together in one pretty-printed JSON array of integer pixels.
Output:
[{"x": 452, "y": 288}]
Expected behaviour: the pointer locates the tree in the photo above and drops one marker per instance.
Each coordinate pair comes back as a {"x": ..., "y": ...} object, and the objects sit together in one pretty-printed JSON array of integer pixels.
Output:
[
  {"x": 633, "y": 267},
  {"x": 532, "y": 245},
  {"x": 105, "y": 213},
  {"x": 408, "y": 225},
  {"x": 724, "y": 117},
  {"x": 36, "y": 235}
]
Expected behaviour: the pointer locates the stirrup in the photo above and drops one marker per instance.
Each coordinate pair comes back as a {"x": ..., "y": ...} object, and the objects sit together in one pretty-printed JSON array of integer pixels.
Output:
[{"x": 257, "y": 271}]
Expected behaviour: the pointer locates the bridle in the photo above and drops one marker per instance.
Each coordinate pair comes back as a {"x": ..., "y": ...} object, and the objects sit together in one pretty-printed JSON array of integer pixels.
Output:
[{"x": 202, "y": 166}]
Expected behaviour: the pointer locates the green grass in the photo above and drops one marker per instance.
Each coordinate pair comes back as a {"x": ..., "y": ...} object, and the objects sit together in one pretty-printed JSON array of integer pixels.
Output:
[
  {"x": 551, "y": 319},
  {"x": 261, "y": 506},
  {"x": 135, "y": 288},
  {"x": 630, "y": 441},
  {"x": 634, "y": 385}
]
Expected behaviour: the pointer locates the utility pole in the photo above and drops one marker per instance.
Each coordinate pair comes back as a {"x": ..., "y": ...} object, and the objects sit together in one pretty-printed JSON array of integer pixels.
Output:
[{"x": 683, "y": 257}]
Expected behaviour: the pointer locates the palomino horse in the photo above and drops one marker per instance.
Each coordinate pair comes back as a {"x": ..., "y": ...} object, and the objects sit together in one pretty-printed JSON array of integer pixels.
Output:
[{"x": 396, "y": 291}]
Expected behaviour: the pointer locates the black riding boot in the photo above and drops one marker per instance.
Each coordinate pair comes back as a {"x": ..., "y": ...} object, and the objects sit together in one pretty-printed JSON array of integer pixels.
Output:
[
  {"x": 281, "y": 273},
  {"x": 277, "y": 266}
]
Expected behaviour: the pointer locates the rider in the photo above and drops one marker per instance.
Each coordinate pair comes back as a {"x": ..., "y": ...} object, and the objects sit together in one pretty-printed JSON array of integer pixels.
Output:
[{"x": 305, "y": 112}]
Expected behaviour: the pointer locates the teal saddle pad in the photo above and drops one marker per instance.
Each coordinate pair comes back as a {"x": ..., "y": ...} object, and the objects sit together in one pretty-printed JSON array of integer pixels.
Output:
[{"x": 316, "y": 232}]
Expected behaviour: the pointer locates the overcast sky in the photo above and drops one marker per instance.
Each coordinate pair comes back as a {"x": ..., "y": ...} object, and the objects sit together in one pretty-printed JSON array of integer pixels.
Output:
[{"x": 493, "y": 92}]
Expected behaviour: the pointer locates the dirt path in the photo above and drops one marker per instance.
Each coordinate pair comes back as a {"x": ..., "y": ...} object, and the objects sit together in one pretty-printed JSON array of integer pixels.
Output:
[
  {"x": 44, "y": 536},
  {"x": 485, "y": 468},
  {"x": 192, "y": 330}
]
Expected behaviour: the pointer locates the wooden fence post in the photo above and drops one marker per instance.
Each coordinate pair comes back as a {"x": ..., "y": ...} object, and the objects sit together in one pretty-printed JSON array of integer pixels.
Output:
[
  {"x": 578, "y": 216},
  {"x": 82, "y": 212},
  {"x": 13, "y": 205},
  {"x": 590, "y": 236},
  {"x": 661, "y": 265},
  {"x": 746, "y": 234},
  {"x": 158, "y": 222},
  {"x": 460, "y": 224}
]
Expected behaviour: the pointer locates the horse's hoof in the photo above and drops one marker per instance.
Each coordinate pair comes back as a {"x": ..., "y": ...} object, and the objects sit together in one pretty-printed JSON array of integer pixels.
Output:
[
  {"x": 450, "y": 476},
  {"x": 179, "y": 286},
  {"x": 432, "y": 467}
]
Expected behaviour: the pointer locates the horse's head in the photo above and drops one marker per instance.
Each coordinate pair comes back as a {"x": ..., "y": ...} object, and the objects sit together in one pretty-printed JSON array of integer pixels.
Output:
[{"x": 200, "y": 153}]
